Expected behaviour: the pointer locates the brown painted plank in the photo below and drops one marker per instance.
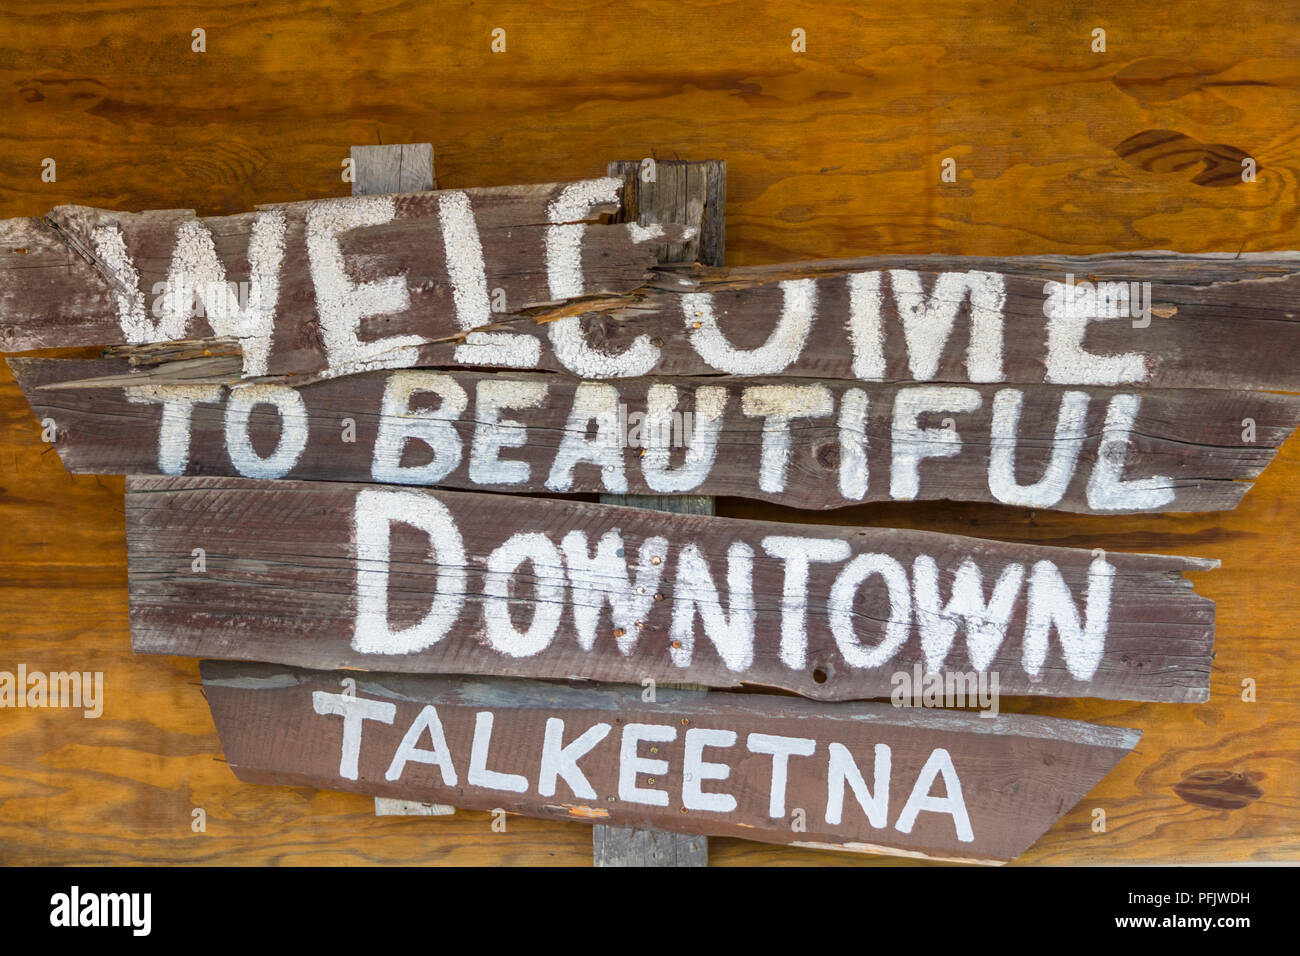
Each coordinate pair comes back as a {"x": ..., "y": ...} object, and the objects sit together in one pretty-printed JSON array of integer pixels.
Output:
[
  {"x": 692, "y": 194},
  {"x": 690, "y": 761},
  {"x": 300, "y": 572},
  {"x": 1214, "y": 323},
  {"x": 339, "y": 284},
  {"x": 1207, "y": 445},
  {"x": 1216, "y": 320},
  {"x": 84, "y": 276}
]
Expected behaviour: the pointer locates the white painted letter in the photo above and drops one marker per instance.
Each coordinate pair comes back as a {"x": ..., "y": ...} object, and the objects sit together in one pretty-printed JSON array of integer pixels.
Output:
[
  {"x": 293, "y": 429},
  {"x": 701, "y": 447},
  {"x": 866, "y": 331},
  {"x": 376, "y": 510},
  {"x": 695, "y": 770},
  {"x": 781, "y": 749},
  {"x": 409, "y": 750},
  {"x": 600, "y": 579},
  {"x": 840, "y": 609},
  {"x": 1050, "y": 603},
  {"x": 178, "y": 403},
  {"x": 798, "y": 554},
  {"x": 465, "y": 267},
  {"x": 353, "y": 710},
  {"x": 732, "y": 633},
  {"x": 341, "y": 303},
  {"x": 783, "y": 346},
  {"x": 843, "y": 770},
  {"x": 853, "y": 444},
  {"x": 1107, "y": 489},
  {"x": 952, "y": 803},
  {"x": 132, "y": 316},
  {"x": 592, "y": 401},
  {"x": 777, "y": 405},
  {"x": 548, "y": 598},
  {"x": 479, "y": 775},
  {"x": 492, "y": 433},
  {"x": 561, "y": 761},
  {"x": 927, "y": 324},
  {"x": 399, "y": 424},
  {"x": 630, "y": 763},
  {"x": 985, "y": 624},
  {"x": 912, "y": 444},
  {"x": 1071, "y": 427},
  {"x": 1067, "y": 362},
  {"x": 196, "y": 274},
  {"x": 564, "y": 276}
]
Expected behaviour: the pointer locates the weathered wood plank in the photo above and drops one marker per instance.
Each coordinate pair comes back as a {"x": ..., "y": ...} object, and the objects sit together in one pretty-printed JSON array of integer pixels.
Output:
[
  {"x": 326, "y": 286},
  {"x": 1208, "y": 321},
  {"x": 866, "y": 778},
  {"x": 522, "y": 277},
  {"x": 391, "y": 807},
  {"x": 634, "y": 846},
  {"x": 330, "y": 575},
  {"x": 1183, "y": 450},
  {"x": 399, "y": 168},
  {"x": 683, "y": 192},
  {"x": 1198, "y": 321},
  {"x": 692, "y": 194}
]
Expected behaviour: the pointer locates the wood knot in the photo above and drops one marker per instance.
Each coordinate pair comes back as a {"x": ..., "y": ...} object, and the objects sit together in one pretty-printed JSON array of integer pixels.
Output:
[
  {"x": 1220, "y": 789},
  {"x": 1169, "y": 151}
]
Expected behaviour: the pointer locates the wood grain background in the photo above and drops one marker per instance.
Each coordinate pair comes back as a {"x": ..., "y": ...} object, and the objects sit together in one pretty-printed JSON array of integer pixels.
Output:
[{"x": 833, "y": 152}]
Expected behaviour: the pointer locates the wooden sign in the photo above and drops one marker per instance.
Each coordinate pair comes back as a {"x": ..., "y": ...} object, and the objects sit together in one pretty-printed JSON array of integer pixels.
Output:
[
  {"x": 537, "y": 339},
  {"x": 868, "y": 778},
  {"x": 330, "y": 575},
  {"x": 330, "y": 286},
  {"x": 802, "y": 442}
]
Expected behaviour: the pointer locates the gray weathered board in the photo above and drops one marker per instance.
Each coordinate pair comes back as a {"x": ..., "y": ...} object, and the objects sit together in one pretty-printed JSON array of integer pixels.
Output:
[
  {"x": 399, "y": 168},
  {"x": 862, "y": 777},
  {"x": 800, "y": 442},
  {"x": 691, "y": 194},
  {"x": 373, "y": 577}
]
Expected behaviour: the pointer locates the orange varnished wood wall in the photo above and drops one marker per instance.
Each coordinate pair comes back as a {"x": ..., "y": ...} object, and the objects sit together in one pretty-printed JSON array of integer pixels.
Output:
[{"x": 833, "y": 152}]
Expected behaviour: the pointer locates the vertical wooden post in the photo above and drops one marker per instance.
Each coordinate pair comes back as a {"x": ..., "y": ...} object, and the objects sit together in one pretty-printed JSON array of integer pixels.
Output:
[
  {"x": 378, "y": 170},
  {"x": 670, "y": 191},
  {"x": 401, "y": 168}
]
